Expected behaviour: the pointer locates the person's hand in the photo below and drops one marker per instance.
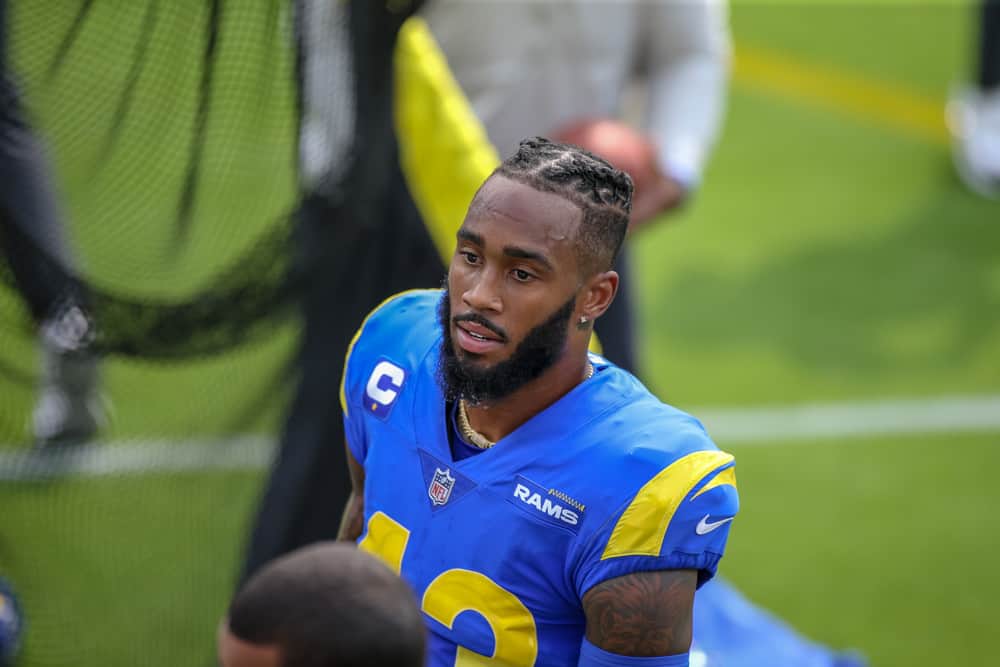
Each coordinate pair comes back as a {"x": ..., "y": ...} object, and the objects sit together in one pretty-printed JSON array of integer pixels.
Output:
[
  {"x": 656, "y": 194},
  {"x": 634, "y": 153}
]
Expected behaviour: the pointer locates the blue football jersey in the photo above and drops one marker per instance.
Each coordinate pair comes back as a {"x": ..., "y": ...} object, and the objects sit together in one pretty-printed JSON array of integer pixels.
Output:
[{"x": 501, "y": 547}]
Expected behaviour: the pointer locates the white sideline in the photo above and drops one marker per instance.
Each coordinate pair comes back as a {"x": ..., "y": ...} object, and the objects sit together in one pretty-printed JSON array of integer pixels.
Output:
[
  {"x": 135, "y": 457},
  {"x": 820, "y": 423}
]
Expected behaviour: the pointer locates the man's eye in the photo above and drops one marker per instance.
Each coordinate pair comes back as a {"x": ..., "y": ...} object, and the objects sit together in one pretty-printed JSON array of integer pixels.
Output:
[
  {"x": 470, "y": 257},
  {"x": 522, "y": 275}
]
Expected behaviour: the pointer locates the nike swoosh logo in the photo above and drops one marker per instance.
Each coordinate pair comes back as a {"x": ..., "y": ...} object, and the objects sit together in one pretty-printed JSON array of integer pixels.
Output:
[{"x": 704, "y": 527}]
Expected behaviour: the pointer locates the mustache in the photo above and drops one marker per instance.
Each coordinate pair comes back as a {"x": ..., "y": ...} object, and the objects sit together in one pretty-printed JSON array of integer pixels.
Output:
[{"x": 481, "y": 321}]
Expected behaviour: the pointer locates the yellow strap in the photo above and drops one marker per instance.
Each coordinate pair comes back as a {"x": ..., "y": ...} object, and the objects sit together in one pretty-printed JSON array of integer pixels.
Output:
[
  {"x": 726, "y": 477},
  {"x": 443, "y": 148}
]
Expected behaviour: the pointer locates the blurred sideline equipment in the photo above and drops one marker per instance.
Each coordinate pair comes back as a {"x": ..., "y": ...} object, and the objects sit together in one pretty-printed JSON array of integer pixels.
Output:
[
  {"x": 731, "y": 631},
  {"x": 323, "y": 605},
  {"x": 974, "y": 111},
  {"x": 423, "y": 152}
]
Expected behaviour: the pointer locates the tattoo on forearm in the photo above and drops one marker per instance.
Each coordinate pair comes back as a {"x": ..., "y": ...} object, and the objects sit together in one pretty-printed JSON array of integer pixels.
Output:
[{"x": 642, "y": 614}]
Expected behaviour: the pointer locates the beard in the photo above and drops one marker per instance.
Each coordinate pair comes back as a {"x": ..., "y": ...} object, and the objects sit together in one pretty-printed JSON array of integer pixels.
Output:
[{"x": 462, "y": 379}]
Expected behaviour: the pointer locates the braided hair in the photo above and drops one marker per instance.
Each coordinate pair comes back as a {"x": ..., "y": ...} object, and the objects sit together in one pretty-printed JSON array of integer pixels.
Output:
[{"x": 603, "y": 193}]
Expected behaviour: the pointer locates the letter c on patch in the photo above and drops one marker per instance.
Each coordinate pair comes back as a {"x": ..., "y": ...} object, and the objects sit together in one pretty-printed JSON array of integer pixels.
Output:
[{"x": 384, "y": 385}]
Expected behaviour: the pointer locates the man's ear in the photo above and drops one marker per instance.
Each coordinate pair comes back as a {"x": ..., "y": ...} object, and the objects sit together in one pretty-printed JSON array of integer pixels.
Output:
[{"x": 597, "y": 294}]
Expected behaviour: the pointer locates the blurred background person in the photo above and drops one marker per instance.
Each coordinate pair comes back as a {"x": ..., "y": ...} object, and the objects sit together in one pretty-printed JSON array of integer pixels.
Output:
[
  {"x": 33, "y": 242},
  {"x": 326, "y": 605},
  {"x": 571, "y": 69},
  {"x": 974, "y": 112},
  {"x": 361, "y": 241},
  {"x": 343, "y": 234}
]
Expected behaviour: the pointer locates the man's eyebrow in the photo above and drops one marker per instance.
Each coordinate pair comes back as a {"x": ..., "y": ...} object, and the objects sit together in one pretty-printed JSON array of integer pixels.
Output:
[
  {"x": 521, "y": 253},
  {"x": 510, "y": 251},
  {"x": 472, "y": 237}
]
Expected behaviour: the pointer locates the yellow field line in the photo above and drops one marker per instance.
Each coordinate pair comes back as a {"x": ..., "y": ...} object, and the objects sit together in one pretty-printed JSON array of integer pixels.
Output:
[{"x": 880, "y": 102}]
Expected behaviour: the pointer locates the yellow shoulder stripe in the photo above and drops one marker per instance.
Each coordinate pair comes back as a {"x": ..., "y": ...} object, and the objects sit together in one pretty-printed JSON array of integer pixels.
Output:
[
  {"x": 727, "y": 476},
  {"x": 350, "y": 347},
  {"x": 643, "y": 525}
]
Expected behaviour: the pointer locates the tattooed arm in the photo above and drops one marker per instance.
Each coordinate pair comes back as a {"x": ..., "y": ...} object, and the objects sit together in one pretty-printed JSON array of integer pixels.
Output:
[
  {"x": 353, "y": 521},
  {"x": 642, "y": 614}
]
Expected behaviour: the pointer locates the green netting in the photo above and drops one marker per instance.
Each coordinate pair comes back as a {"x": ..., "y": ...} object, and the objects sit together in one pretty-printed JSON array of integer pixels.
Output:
[{"x": 172, "y": 131}]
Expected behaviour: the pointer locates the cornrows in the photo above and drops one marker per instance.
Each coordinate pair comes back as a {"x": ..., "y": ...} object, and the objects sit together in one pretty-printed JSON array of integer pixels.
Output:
[
  {"x": 603, "y": 193},
  {"x": 562, "y": 166}
]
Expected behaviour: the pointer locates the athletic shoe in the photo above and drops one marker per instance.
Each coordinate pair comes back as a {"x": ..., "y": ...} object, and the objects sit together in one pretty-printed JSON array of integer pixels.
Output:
[
  {"x": 68, "y": 410},
  {"x": 974, "y": 121}
]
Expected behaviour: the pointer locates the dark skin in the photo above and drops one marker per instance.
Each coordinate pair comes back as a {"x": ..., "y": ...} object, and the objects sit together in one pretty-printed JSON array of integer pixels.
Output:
[
  {"x": 515, "y": 264},
  {"x": 235, "y": 652},
  {"x": 352, "y": 522},
  {"x": 645, "y": 614}
]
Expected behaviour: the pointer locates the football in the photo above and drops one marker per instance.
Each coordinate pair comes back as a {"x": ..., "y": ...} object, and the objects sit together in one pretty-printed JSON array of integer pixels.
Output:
[{"x": 617, "y": 142}]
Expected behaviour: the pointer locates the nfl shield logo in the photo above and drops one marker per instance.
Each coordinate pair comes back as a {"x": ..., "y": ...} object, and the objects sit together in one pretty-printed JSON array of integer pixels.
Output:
[{"x": 441, "y": 486}]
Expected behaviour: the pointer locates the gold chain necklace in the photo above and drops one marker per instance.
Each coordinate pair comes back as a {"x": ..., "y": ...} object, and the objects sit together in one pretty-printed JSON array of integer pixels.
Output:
[{"x": 476, "y": 438}]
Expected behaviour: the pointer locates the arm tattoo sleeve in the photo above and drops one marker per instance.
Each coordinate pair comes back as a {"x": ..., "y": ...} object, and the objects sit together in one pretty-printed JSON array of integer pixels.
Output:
[{"x": 642, "y": 614}]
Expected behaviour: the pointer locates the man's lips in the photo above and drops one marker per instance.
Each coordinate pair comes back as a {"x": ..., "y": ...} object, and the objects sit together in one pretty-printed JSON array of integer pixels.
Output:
[
  {"x": 474, "y": 344},
  {"x": 476, "y": 338},
  {"x": 479, "y": 331}
]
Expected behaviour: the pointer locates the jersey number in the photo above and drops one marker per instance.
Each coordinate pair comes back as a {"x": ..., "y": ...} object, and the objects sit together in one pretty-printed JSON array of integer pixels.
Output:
[{"x": 457, "y": 590}]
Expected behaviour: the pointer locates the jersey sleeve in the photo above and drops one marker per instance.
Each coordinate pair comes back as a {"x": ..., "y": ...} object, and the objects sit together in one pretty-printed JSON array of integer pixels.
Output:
[
  {"x": 390, "y": 343},
  {"x": 679, "y": 519},
  {"x": 350, "y": 390}
]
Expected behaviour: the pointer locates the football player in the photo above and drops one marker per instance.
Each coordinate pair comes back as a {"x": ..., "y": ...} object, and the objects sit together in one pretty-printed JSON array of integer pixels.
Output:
[{"x": 545, "y": 507}]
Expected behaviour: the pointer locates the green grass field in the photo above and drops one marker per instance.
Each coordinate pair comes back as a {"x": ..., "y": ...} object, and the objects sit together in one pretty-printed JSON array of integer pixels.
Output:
[{"x": 830, "y": 256}]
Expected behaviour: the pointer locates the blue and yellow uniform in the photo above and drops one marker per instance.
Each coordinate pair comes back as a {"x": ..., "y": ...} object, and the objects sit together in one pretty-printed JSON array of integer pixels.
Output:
[{"x": 500, "y": 547}]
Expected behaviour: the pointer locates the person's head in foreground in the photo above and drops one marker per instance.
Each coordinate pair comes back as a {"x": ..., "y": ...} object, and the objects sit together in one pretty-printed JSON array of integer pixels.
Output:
[
  {"x": 531, "y": 272},
  {"x": 326, "y": 605}
]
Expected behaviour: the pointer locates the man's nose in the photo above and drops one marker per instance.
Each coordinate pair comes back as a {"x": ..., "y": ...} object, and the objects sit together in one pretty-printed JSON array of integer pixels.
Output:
[{"x": 484, "y": 293}]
